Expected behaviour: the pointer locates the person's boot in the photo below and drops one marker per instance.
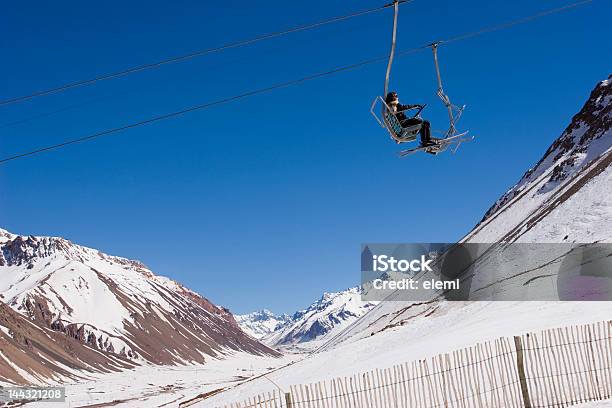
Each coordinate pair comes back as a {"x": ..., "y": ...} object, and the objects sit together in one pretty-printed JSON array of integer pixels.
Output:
[{"x": 428, "y": 143}]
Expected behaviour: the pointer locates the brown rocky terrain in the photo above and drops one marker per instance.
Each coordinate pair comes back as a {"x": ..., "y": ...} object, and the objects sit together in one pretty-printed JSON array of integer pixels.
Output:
[{"x": 69, "y": 310}]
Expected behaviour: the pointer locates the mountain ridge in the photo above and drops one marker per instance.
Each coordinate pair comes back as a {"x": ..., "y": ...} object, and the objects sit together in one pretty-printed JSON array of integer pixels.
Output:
[
  {"x": 261, "y": 323},
  {"x": 566, "y": 153},
  {"x": 579, "y": 155},
  {"x": 320, "y": 320},
  {"x": 110, "y": 305}
]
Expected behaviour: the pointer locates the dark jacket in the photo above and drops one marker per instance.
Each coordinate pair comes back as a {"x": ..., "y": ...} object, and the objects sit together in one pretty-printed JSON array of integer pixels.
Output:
[{"x": 401, "y": 115}]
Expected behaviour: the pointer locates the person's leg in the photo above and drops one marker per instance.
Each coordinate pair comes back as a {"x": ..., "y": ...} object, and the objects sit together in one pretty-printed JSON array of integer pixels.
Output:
[
  {"x": 426, "y": 133},
  {"x": 411, "y": 122}
]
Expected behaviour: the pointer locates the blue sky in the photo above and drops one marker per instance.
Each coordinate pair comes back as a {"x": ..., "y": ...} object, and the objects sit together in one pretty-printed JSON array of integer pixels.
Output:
[{"x": 265, "y": 202}]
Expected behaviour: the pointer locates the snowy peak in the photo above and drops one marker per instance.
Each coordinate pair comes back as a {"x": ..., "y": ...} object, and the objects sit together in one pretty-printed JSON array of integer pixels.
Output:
[
  {"x": 261, "y": 323},
  {"x": 587, "y": 137},
  {"x": 565, "y": 197},
  {"x": 581, "y": 141},
  {"x": 322, "y": 319},
  {"x": 18, "y": 250},
  {"x": 5, "y": 235},
  {"x": 261, "y": 315}
]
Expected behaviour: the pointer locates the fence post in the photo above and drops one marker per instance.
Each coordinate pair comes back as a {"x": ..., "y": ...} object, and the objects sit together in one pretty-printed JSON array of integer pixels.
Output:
[
  {"x": 288, "y": 400},
  {"x": 521, "y": 371}
]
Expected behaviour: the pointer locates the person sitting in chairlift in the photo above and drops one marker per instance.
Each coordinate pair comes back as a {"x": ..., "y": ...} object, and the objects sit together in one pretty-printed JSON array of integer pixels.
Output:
[{"x": 398, "y": 110}]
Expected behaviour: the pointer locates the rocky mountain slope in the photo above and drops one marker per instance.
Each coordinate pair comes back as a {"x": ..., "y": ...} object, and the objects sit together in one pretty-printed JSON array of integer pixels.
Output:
[
  {"x": 261, "y": 323},
  {"x": 33, "y": 354},
  {"x": 565, "y": 197},
  {"x": 79, "y": 309}
]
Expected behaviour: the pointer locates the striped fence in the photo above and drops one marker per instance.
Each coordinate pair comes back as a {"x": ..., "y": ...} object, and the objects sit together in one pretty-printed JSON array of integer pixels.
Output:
[{"x": 552, "y": 368}]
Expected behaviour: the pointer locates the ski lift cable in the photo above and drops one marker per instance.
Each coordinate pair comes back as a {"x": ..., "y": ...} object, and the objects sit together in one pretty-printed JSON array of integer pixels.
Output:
[
  {"x": 287, "y": 84},
  {"x": 193, "y": 108},
  {"x": 195, "y": 54},
  {"x": 497, "y": 27},
  {"x": 513, "y": 23}
]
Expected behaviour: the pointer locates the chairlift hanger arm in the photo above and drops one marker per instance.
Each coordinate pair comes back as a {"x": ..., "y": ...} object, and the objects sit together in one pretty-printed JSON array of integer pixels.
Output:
[
  {"x": 442, "y": 95},
  {"x": 396, "y": 4}
]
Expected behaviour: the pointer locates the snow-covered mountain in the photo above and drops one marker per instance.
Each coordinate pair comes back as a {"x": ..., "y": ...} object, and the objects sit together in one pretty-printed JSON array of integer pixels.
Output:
[
  {"x": 321, "y": 320},
  {"x": 66, "y": 298},
  {"x": 566, "y": 196},
  {"x": 261, "y": 323}
]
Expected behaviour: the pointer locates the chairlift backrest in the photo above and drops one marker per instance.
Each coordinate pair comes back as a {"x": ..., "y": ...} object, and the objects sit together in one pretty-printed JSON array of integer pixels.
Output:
[
  {"x": 389, "y": 121},
  {"x": 402, "y": 134}
]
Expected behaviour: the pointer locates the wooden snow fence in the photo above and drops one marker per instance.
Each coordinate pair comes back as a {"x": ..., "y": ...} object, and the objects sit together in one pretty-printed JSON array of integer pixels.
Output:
[{"x": 553, "y": 368}]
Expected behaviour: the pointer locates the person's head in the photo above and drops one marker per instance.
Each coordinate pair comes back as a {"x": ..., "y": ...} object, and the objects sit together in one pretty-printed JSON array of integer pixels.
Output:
[{"x": 392, "y": 99}]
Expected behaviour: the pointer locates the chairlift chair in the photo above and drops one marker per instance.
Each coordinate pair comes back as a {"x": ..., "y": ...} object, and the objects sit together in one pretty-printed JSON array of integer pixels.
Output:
[
  {"x": 399, "y": 133},
  {"x": 403, "y": 134}
]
